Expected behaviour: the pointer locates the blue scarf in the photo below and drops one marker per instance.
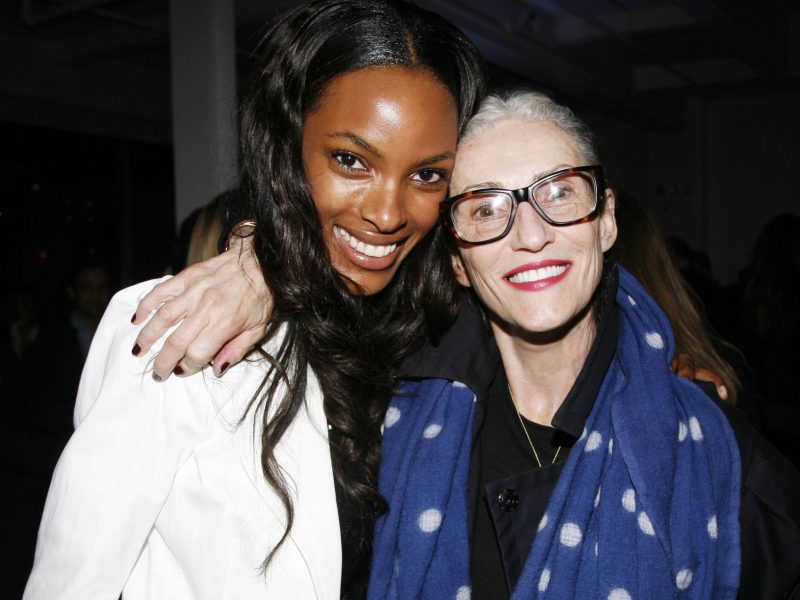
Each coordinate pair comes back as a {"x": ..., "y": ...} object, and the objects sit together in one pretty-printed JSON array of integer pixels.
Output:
[{"x": 646, "y": 506}]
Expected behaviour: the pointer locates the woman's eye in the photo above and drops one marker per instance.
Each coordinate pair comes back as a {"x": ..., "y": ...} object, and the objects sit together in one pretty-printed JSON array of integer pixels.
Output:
[
  {"x": 429, "y": 176},
  {"x": 558, "y": 192},
  {"x": 348, "y": 161}
]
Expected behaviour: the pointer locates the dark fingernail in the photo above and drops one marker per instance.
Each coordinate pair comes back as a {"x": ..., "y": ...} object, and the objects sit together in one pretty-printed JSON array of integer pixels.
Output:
[
  {"x": 224, "y": 368},
  {"x": 178, "y": 370},
  {"x": 136, "y": 349},
  {"x": 156, "y": 377},
  {"x": 133, "y": 318}
]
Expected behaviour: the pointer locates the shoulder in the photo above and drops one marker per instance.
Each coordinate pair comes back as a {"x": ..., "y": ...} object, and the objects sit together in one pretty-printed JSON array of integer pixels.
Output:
[
  {"x": 759, "y": 456},
  {"x": 769, "y": 514},
  {"x": 111, "y": 372},
  {"x": 465, "y": 353},
  {"x": 129, "y": 297}
]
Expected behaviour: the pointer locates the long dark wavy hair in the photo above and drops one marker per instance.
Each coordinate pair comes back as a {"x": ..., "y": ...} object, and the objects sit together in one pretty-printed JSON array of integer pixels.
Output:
[{"x": 353, "y": 343}]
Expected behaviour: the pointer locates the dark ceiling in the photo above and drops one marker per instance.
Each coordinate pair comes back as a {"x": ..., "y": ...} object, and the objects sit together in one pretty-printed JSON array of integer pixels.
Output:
[{"x": 104, "y": 64}]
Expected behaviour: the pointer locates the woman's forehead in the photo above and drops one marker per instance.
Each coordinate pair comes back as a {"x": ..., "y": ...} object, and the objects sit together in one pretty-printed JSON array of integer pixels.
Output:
[{"x": 510, "y": 153}]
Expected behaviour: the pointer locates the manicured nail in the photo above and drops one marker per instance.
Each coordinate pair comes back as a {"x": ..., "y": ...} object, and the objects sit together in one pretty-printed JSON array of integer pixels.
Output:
[
  {"x": 224, "y": 368},
  {"x": 136, "y": 349},
  {"x": 156, "y": 377},
  {"x": 133, "y": 318},
  {"x": 178, "y": 370}
]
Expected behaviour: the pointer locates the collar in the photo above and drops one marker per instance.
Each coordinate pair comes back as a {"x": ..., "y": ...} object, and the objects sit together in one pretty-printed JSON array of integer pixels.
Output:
[{"x": 465, "y": 353}]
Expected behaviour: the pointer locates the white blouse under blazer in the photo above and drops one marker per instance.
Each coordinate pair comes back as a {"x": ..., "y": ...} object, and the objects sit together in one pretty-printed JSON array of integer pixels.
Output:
[{"x": 159, "y": 494}]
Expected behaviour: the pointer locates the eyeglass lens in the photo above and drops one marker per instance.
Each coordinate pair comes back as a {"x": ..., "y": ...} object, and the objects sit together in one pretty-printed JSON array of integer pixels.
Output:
[{"x": 564, "y": 199}]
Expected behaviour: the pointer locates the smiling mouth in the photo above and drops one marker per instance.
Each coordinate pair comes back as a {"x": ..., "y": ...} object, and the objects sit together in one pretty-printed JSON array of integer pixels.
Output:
[
  {"x": 534, "y": 275},
  {"x": 371, "y": 250}
]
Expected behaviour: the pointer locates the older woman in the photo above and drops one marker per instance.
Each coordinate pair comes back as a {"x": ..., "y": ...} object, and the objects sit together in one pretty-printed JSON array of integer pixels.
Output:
[
  {"x": 545, "y": 431},
  {"x": 596, "y": 472},
  {"x": 556, "y": 442}
]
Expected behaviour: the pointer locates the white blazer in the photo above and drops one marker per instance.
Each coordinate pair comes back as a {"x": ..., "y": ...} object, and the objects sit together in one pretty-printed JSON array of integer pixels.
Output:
[{"x": 159, "y": 493}]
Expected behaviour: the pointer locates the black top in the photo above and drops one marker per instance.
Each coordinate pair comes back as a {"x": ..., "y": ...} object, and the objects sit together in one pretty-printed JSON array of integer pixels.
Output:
[
  {"x": 509, "y": 492},
  {"x": 356, "y": 533},
  {"x": 770, "y": 504}
]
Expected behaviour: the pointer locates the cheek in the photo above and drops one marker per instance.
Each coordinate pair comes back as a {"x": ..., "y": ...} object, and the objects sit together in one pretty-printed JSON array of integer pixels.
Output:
[
  {"x": 423, "y": 212},
  {"x": 331, "y": 195}
]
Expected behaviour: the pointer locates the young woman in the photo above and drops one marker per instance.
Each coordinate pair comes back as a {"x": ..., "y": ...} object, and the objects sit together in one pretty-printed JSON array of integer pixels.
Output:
[{"x": 264, "y": 484}]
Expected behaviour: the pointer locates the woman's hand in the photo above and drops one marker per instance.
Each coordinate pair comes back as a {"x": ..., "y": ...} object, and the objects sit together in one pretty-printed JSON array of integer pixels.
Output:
[
  {"x": 683, "y": 366},
  {"x": 224, "y": 305}
]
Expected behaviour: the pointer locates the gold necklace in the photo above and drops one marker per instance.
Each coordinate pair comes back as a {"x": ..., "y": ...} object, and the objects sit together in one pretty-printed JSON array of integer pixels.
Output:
[{"x": 527, "y": 435}]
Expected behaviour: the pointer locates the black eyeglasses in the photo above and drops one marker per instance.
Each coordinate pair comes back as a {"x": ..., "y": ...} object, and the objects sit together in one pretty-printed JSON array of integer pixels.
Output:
[{"x": 566, "y": 197}]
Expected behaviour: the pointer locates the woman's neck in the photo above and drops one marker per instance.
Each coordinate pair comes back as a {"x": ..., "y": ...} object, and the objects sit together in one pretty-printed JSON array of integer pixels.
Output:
[{"x": 542, "y": 368}]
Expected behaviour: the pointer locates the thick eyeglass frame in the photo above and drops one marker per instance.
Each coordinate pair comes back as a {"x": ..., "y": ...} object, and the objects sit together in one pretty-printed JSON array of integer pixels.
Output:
[{"x": 526, "y": 194}]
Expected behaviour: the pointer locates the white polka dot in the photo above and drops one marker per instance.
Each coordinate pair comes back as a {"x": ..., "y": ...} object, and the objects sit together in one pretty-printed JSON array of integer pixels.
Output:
[
  {"x": 619, "y": 594},
  {"x": 683, "y": 579},
  {"x": 682, "y": 431},
  {"x": 712, "y": 527},
  {"x": 464, "y": 593},
  {"x": 611, "y": 446},
  {"x": 431, "y": 431},
  {"x": 392, "y": 416},
  {"x": 695, "y": 430},
  {"x": 543, "y": 522},
  {"x": 430, "y": 520},
  {"x": 596, "y": 549},
  {"x": 597, "y": 497},
  {"x": 645, "y": 525},
  {"x": 458, "y": 384},
  {"x": 583, "y": 434},
  {"x": 594, "y": 441},
  {"x": 571, "y": 535},
  {"x": 544, "y": 580},
  {"x": 631, "y": 300},
  {"x": 629, "y": 500},
  {"x": 654, "y": 340}
]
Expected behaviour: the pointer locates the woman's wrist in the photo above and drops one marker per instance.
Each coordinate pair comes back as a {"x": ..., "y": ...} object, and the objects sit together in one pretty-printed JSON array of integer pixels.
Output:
[{"x": 240, "y": 230}]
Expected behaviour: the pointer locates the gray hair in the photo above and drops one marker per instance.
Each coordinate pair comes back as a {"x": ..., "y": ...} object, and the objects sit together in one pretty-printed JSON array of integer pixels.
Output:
[{"x": 532, "y": 107}]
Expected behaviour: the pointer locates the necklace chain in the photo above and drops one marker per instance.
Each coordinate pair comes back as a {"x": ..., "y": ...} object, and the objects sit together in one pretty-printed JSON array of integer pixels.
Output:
[{"x": 528, "y": 435}]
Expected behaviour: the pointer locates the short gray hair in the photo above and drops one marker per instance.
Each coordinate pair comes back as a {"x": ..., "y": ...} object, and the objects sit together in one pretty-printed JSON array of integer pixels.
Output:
[{"x": 532, "y": 107}]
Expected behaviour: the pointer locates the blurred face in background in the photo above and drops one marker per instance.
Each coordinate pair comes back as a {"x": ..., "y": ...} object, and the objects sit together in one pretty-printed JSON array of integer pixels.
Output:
[{"x": 90, "y": 292}]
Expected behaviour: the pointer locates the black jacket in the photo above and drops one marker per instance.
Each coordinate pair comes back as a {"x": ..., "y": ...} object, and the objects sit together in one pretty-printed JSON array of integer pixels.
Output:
[{"x": 770, "y": 504}]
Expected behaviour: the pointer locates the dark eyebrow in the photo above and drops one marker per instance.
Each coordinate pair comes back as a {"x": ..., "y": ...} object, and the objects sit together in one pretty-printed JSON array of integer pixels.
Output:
[
  {"x": 362, "y": 143},
  {"x": 358, "y": 141},
  {"x": 434, "y": 159}
]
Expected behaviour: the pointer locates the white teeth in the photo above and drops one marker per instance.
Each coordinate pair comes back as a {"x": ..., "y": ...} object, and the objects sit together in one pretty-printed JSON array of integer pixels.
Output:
[
  {"x": 368, "y": 249},
  {"x": 538, "y": 274}
]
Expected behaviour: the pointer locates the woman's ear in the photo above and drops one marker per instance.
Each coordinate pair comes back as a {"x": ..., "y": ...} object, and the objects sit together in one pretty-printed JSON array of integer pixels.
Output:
[
  {"x": 459, "y": 270},
  {"x": 608, "y": 221}
]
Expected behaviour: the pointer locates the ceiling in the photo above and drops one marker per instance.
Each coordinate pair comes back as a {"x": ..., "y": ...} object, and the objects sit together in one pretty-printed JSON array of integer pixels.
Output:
[{"x": 102, "y": 66}]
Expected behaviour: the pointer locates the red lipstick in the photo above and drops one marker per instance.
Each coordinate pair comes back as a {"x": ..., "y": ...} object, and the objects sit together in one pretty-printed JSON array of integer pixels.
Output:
[{"x": 536, "y": 276}]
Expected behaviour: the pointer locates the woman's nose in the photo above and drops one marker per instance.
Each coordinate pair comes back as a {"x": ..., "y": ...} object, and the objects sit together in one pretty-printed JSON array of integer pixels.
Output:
[
  {"x": 529, "y": 230},
  {"x": 384, "y": 207}
]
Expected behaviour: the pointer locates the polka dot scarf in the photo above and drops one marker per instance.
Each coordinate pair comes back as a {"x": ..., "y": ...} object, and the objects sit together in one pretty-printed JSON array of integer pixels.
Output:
[{"x": 646, "y": 506}]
